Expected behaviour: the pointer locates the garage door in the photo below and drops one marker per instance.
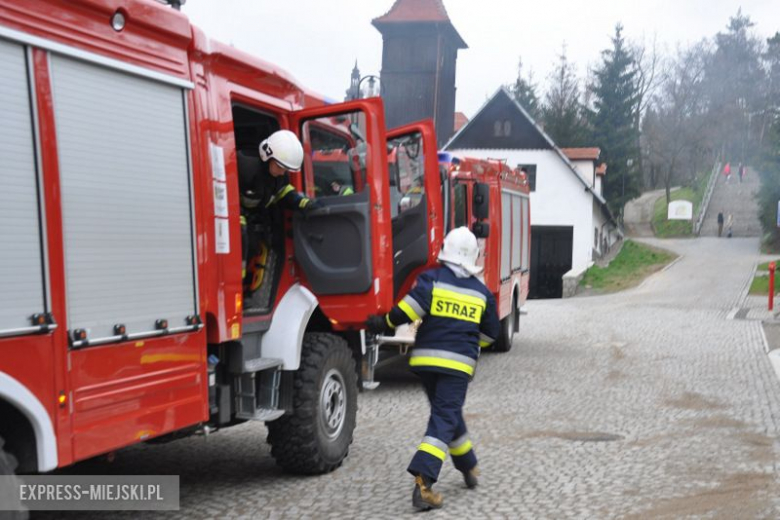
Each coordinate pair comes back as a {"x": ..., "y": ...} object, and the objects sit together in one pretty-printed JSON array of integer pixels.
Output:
[{"x": 551, "y": 254}]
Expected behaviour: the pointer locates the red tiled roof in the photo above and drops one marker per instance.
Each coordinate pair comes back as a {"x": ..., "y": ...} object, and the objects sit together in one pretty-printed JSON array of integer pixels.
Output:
[
  {"x": 460, "y": 120},
  {"x": 419, "y": 12},
  {"x": 601, "y": 169},
  {"x": 582, "y": 154},
  {"x": 415, "y": 11}
]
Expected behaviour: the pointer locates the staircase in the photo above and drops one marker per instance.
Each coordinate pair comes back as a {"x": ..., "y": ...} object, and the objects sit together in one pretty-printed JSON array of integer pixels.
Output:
[{"x": 737, "y": 199}]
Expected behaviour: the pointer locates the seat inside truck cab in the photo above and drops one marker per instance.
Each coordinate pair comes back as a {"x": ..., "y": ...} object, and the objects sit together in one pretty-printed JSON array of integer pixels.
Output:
[{"x": 265, "y": 231}]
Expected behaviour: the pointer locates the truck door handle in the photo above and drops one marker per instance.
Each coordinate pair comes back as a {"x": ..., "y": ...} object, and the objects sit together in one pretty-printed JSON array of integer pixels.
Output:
[{"x": 316, "y": 238}]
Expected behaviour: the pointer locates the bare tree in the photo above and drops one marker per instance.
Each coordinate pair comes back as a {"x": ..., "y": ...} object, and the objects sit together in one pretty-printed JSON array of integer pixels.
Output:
[
  {"x": 676, "y": 126},
  {"x": 649, "y": 65}
]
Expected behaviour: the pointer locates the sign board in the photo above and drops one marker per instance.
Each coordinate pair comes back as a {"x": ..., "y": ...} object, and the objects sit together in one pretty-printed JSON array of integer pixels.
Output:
[
  {"x": 680, "y": 210},
  {"x": 778, "y": 213},
  {"x": 221, "y": 235}
]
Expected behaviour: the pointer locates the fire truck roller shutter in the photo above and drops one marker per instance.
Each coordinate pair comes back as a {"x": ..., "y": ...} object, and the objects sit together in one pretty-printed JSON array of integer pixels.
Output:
[
  {"x": 524, "y": 234},
  {"x": 126, "y": 195},
  {"x": 516, "y": 226},
  {"x": 506, "y": 234},
  {"x": 21, "y": 265}
]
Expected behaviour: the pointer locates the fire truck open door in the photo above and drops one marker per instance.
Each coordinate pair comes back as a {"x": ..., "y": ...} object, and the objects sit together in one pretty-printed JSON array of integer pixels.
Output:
[
  {"x": 416, "y": 201},
  {"x": 344, "y": 246}
]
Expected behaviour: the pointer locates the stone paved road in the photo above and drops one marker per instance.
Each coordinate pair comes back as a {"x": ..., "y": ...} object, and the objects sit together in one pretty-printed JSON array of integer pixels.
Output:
[{"x": 645, "y": 404}]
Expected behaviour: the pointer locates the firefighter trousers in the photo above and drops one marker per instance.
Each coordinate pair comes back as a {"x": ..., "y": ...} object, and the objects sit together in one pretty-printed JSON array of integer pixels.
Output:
[{"x": 446, "y": 430}]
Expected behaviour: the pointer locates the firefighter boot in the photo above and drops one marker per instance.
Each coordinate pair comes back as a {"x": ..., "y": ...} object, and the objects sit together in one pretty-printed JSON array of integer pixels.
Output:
[
  {"x": 423, "y": 497},
  {"x": 470, "y": 477}
]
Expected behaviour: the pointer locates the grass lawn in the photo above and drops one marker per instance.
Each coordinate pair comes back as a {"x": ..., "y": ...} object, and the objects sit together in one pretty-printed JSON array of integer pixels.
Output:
[
  {"x": 678, "y": 228},
  {"x": 765, "y": 265},
  {"x": 760, "y": 285},
  {"x": 634, "y": 263},
  {"x": 770, "y": 247}
]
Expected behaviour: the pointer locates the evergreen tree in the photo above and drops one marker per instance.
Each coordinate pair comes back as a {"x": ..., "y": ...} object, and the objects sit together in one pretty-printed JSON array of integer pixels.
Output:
[
  {"x": 524, "y": 91},
  {"x": 769, "y": 138},
  {"x": 612, "y": 121},
  {"x": 734, "y": 81},
  {"x": 562, "y": 113},
  {"x": 771, "y": 104},
  {"x": 768, "y": 197}
]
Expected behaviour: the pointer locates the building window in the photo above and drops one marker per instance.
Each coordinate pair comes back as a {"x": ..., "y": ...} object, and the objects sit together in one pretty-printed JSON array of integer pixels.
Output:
[
  {"x": 595, "y": 238},
  {"x": 530, "y": 172},
  {"x": 502, "y": 128}
]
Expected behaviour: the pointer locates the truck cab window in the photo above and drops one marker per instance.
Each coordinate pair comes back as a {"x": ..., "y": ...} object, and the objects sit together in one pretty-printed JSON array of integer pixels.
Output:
[
  {"x": 406, "y": 162},
  {"x": 335, "y": 149}
]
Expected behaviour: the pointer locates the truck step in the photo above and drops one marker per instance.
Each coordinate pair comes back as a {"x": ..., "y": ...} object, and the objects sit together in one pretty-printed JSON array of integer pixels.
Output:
[
  {"x": 261, "y": 414},
  {"x": 261, "y": 363}
]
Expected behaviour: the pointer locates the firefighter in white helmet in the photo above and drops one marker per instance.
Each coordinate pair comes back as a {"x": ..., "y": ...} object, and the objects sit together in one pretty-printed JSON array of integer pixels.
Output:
[
  {"x": 280, "y": 153},
  {"x": 459, "y": 318},
  {"x": 264, "y": 189}
]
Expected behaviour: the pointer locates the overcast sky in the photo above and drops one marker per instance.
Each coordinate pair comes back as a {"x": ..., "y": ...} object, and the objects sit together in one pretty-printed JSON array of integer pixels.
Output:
[{"x": 318, "y": 41}]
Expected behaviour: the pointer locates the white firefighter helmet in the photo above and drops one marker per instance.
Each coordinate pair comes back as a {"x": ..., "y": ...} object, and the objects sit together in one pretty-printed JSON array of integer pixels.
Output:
[
  {"x": 460, "y": 248},
  {"x": 283, "y": 147}
]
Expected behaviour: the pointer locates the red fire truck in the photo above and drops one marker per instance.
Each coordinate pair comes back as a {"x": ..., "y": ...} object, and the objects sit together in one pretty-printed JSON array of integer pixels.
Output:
[
  {"x": 123, "y": 316},
  {"x": 503, "y": 223},
  {"x": 493, "y": 201}
]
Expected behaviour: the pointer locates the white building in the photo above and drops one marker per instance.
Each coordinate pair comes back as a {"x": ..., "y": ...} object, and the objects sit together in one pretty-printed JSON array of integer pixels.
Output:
[{"x": 571, "y": 225}]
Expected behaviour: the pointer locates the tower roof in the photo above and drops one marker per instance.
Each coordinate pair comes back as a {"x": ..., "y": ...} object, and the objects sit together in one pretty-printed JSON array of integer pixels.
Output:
[
  {"x": 414, "y": 11},
  {"x": 418, "y": 11}
]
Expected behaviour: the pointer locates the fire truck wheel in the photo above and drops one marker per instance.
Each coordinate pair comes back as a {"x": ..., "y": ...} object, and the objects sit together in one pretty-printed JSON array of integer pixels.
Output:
[
  {"x": 509, "y": 325},
  {"x": 8, "y": 494},
  {"x": 315, "y": 437}
]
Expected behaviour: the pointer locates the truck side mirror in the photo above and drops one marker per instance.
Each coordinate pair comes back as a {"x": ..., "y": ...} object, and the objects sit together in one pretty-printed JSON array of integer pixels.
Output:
[
  {"x": 481, "y": 202},
  {"x": 481, "y": 229}
]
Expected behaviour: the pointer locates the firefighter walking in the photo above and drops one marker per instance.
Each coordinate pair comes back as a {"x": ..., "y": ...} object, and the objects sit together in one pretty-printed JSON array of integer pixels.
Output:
[{"x": 459, "y": 318}]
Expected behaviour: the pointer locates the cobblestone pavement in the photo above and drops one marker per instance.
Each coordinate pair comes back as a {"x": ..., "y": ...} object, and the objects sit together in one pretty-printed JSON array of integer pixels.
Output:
[{"x": 645, "y": 404}]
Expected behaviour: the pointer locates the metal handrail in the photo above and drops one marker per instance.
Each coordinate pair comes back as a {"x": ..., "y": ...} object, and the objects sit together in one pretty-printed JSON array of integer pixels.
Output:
[{"x": 706, "y": 200}]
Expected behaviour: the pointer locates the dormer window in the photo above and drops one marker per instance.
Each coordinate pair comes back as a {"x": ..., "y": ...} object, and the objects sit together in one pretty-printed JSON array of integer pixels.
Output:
[{"x": 502, "y": 128}]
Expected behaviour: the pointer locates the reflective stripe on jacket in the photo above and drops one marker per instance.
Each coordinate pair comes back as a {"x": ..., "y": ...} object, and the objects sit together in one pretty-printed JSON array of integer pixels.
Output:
[{"x": 458, "y": 318}]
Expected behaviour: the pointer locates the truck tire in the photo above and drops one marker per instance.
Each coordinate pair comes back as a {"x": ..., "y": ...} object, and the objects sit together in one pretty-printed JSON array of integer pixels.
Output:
[
  {"x": 509, "y": 326},
  {"x": 315, "y": 437},
  {"x": 7, "y": 495}
]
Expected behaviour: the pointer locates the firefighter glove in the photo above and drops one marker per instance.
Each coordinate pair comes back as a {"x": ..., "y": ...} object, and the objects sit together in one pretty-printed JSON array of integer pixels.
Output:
[
  {"x": 376, "y": 324},
  {"x": 308, "y": 205}
]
